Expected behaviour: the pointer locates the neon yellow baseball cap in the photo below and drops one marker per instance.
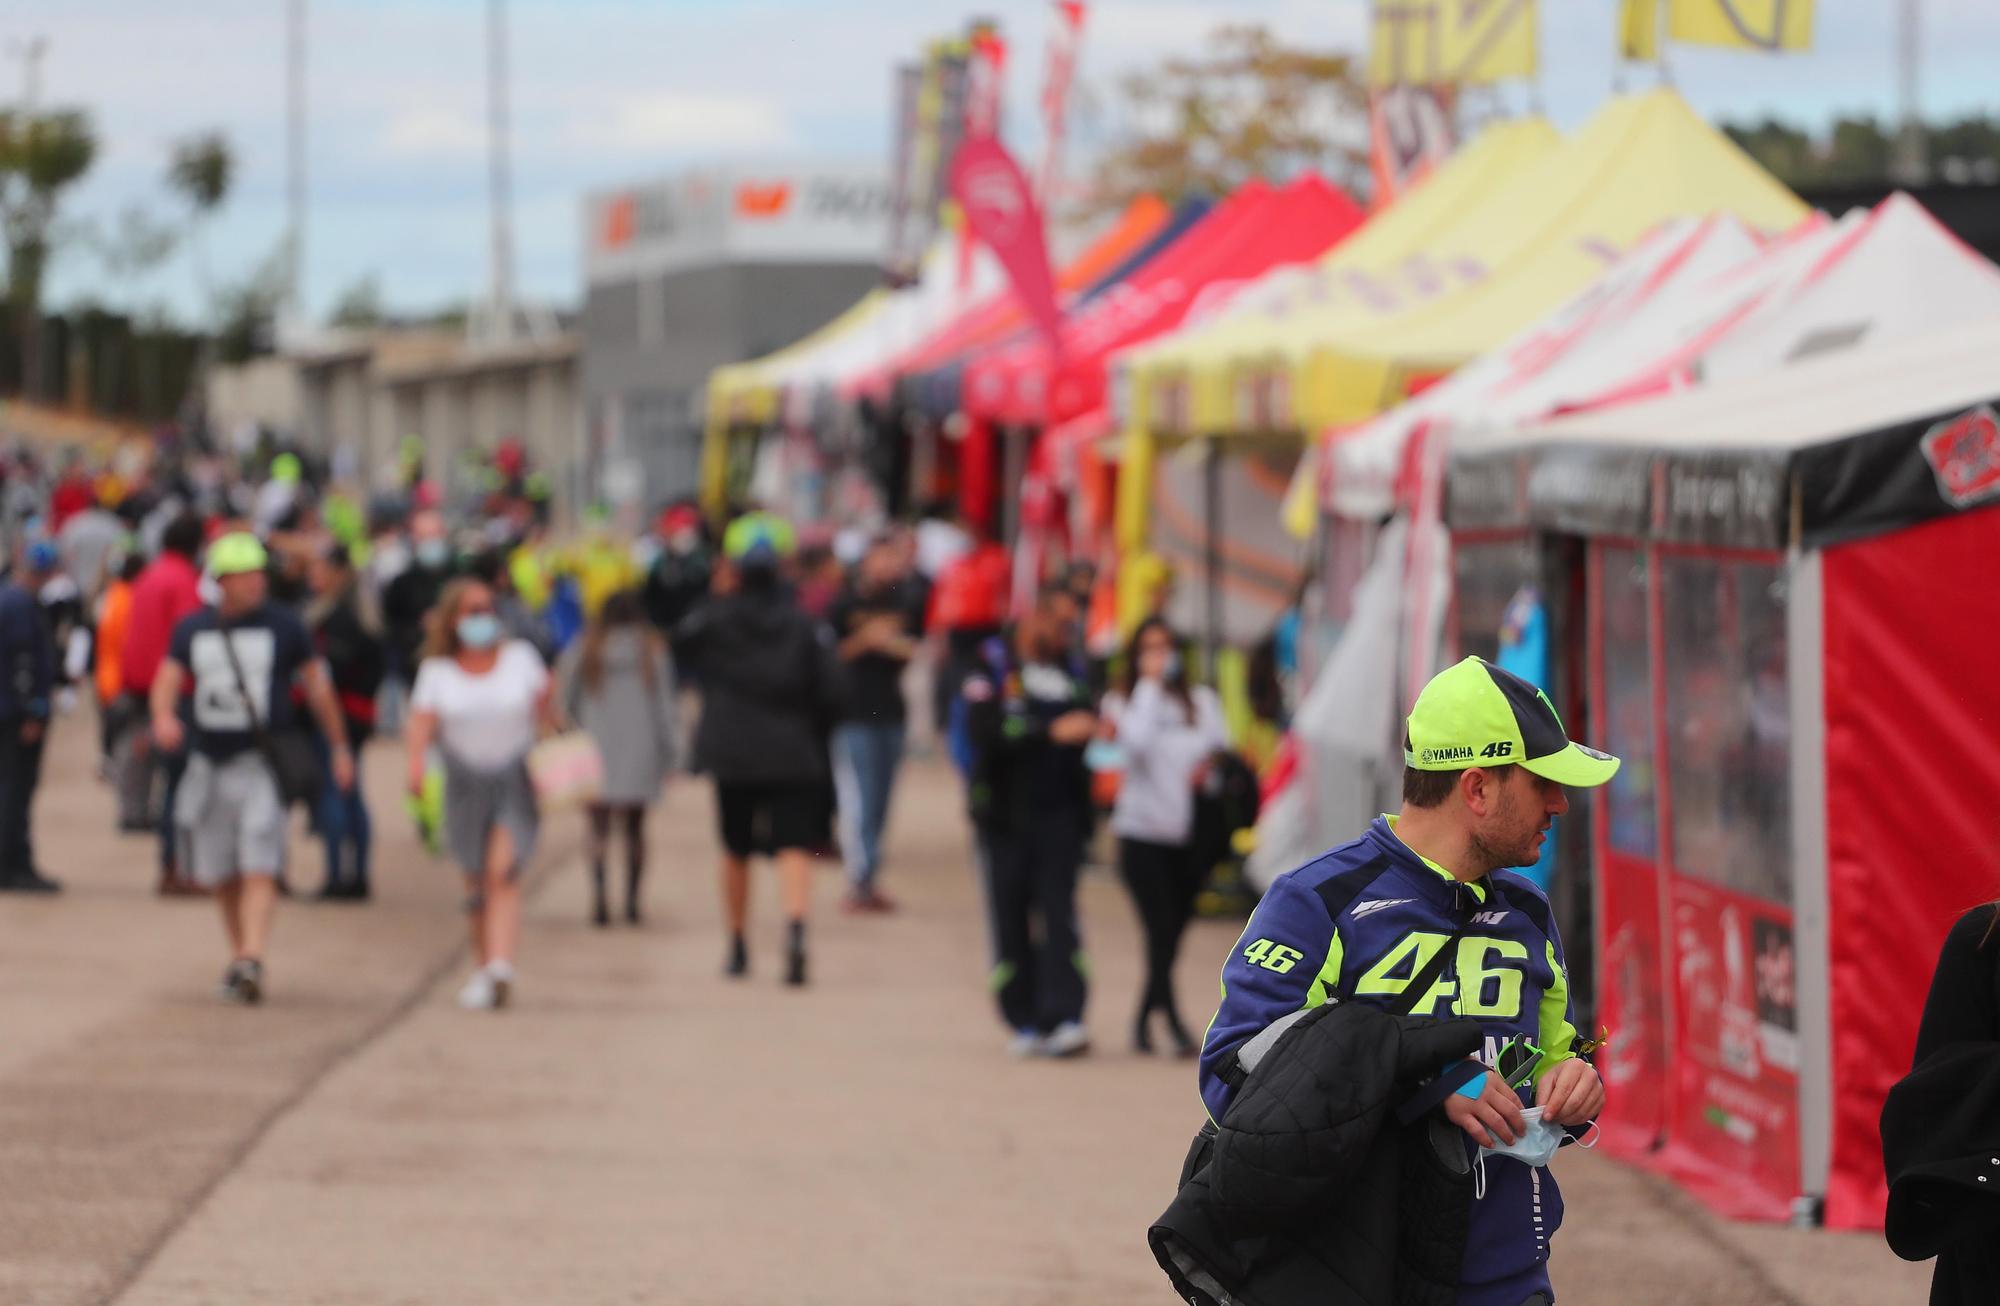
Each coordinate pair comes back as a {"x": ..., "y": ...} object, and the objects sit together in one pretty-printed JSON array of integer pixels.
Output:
[
  {"x": 1475, "y": 714},
  {"x": 760, "y": 533},
  {"x": 236, "y": 553}
]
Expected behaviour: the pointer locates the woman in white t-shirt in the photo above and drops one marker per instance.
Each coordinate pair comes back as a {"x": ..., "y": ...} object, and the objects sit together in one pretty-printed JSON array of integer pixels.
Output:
[
  {"x": 480, "y": 699},
  {"x": 1167, "y": 732}
]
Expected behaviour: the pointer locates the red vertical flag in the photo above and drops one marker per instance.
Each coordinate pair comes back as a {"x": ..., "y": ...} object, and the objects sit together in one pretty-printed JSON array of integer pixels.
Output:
[
  {"x": 1001, "y": 212},
  {"x": 1064, "y": 40}
]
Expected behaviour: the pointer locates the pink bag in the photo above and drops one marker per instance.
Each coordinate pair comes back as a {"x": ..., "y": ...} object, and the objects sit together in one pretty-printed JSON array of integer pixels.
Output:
[{"x": 566, "y": 770}]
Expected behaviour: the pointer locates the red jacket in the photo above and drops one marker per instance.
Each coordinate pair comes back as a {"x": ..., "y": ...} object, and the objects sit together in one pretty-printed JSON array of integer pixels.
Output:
[{"x": 166, "y": 591}]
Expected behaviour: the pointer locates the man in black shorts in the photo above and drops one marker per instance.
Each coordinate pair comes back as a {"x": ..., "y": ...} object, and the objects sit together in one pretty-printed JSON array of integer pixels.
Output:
[{"x": 768, "y": 681}]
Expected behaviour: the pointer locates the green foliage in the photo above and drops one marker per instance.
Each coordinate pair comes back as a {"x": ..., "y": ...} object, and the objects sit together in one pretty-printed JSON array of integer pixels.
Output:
[
  {"x": 1859, "y": 150},
  {"x": 248, "y": 311},
  {"x": 1251, "y": 106},
  {"x": 360, "y": 305},
  {"x": 41, "y": 155},
  {"x": 201, "y": 169}
]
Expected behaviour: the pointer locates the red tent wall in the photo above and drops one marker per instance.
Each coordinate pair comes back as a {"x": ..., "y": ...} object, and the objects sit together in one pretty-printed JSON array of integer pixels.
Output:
[{"x": 1912, "y": 712}]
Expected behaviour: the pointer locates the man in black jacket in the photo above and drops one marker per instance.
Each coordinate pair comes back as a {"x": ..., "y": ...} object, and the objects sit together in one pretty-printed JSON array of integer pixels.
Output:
[
  {"x": 768, "y": 704},
  {"x": 1421, "y": 915},
  {"x": 409, "y": 598},
  {"x": 1029, "y": 718}
]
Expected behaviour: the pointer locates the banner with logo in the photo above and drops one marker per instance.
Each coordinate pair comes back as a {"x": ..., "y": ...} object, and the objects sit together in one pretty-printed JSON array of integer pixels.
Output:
[
  {"x": 1733, "y": 1132},
  {"x": 1000, "y": 211},
  {"x": 1451, "y": 42},
  {"x": 1409, "y": 133},
  {"x": 1742, "y": 24},
  {"x": 1768, "y": 25}
]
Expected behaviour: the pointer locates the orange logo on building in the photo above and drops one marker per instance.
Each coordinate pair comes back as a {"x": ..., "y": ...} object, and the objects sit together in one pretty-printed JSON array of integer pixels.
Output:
[
  {"x": 621, "y": 220},
  {"x": 768, "y": 201}
]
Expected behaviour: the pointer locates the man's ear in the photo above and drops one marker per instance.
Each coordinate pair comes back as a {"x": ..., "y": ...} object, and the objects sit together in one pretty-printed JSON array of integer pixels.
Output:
[{"x": 1479, "y": 788}]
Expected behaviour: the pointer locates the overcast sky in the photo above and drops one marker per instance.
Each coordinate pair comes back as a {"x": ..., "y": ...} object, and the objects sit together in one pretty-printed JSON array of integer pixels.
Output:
[{"x": 608, "y": 91}]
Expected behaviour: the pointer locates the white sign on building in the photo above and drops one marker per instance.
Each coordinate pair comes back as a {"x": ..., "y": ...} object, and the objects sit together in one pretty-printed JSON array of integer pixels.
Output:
[{"x": 802, "y": 213}]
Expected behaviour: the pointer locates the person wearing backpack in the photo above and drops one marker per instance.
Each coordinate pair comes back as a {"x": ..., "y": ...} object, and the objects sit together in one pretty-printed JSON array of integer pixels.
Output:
[{"x": 1419, "y": 918}]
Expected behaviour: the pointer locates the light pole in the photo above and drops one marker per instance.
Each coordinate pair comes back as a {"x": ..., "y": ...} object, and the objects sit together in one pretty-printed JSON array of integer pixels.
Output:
[
  {"x": 30, "y": 52},
  {"x": 500, "y": 324},
  {"x": 1912, "y": 165},
  {"x": 295, "y": 161}
]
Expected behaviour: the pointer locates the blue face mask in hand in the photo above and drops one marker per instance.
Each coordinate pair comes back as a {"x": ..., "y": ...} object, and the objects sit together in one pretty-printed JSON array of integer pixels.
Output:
[{"x": 1536, "y": 1146}]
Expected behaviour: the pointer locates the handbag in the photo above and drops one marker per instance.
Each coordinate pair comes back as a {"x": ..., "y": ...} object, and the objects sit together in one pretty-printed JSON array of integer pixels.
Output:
[
  {"x": 566, "y": 770},
  {"x": 293, "y": 760}
]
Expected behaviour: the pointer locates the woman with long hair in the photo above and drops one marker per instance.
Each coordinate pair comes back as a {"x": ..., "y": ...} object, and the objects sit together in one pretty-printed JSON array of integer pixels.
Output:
[
  {"x": 1168, "y": 732},
  {"x": 1941, "y": 1125},
  {"x": 347, "y": 629},
  {"x": 479, "y": 699},
  {"x": 618, "y": 684}
]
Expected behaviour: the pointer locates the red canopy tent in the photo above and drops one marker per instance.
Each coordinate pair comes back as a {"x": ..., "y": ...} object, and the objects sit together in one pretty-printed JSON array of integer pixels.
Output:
[
  {"x": 1255, "y": 230},
  {"x": 1026, "y": 384}
]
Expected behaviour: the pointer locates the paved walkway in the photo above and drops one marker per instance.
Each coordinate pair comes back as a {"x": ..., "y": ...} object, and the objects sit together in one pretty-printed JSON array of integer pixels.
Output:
[{"x": 637, "y": 1129}]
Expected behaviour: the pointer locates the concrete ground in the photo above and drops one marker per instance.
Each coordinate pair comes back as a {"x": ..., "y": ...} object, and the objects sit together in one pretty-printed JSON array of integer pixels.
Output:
[{"x": 637, "y": 1129}]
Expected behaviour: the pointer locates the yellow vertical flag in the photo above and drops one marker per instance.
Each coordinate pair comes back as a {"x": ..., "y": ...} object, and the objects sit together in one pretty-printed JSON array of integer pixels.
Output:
[
  {"x": 1742, "y": 24},
  {"x": 1451, "y": 42},
  {"x": 1639, "y": 30}
]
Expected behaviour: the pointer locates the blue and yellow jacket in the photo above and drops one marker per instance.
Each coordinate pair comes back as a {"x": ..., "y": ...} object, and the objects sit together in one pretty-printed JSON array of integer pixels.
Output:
[{"x": 1358, "y": 923}]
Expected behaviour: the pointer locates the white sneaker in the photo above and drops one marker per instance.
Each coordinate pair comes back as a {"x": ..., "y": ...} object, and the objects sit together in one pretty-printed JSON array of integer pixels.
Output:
[
  {"x": 1067, "y": 1040},
  {"x": 502, "y": 975},
  {"x": 479, "y": 993},
  {"x": 1025, "y": 1043}
]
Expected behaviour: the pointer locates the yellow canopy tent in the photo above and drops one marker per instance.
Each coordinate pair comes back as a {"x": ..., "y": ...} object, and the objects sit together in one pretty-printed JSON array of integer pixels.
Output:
[
  {"x": 748, "y": 394},
  {"x": 1263, "y": 311},
  {"x": 1523, "y": 240},
  {"x": 1188, "y": 369}
]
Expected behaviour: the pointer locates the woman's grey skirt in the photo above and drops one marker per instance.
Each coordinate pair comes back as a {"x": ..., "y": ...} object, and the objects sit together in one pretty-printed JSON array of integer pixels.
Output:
[{"x": 478, "y": 802}]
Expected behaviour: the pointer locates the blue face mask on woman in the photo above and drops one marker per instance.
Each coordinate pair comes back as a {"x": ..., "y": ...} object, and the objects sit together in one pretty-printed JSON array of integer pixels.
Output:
[{"x": 479, "y": 630}]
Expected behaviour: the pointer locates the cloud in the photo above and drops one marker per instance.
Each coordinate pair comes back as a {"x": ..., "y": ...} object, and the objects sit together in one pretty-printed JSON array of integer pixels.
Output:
[
  {"x": 668, "y": 122},
  {"x": 429, "y": 133}
]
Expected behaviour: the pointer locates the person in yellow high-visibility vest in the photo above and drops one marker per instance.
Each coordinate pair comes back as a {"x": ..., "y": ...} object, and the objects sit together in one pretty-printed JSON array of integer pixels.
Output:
[{"x": 602, "y": 565}]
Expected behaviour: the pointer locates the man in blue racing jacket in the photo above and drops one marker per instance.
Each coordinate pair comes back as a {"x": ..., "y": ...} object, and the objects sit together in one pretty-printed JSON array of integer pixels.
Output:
[{"x": 1485, "y": 766}]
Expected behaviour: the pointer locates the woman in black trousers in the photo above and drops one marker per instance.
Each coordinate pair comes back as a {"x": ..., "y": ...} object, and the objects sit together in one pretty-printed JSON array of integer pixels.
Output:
[{"x": 1167, "y": 732}]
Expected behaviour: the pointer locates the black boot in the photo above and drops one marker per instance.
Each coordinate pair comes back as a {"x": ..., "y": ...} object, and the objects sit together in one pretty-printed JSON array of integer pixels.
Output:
[
  {"x": 1184, "y": 1046},
  {"x": 738, "y": 964},
  {"x": 1142, "y": 1032},
  {"x": 795, "y": 955},
  {"x": 633, "y": 875},
  {"x": 600, "y": 915}
]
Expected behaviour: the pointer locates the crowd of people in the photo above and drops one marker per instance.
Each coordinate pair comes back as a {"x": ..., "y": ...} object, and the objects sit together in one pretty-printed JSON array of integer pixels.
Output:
[{"x": 245, "y": 629}]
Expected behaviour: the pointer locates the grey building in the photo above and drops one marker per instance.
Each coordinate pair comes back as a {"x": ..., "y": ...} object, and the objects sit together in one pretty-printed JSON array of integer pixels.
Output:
[{"x": 712, "y": 268}]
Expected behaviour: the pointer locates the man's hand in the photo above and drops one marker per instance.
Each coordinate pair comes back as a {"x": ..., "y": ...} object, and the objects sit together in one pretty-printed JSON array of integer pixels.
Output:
[
  {"x": 1570, "y": 1093},
  {"x": 343, "y": 768},
  {"x": 1073, "y": 727},
  {"x": 1496, "y": 1111},
  {"x": 168, "y": 733}
]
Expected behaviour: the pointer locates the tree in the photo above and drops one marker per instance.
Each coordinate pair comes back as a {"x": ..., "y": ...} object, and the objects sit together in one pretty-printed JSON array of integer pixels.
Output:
[
  {"x": 360, "y": 305},
  {"x": 246, "y": 322},
  {"x": 1250, "y": 107},
  {"x": 41, "y": 156},
  {"x": 1859, "y": 151},
  {"x": 199, "y": 171},
  {"x": 132, "y": 252}
]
